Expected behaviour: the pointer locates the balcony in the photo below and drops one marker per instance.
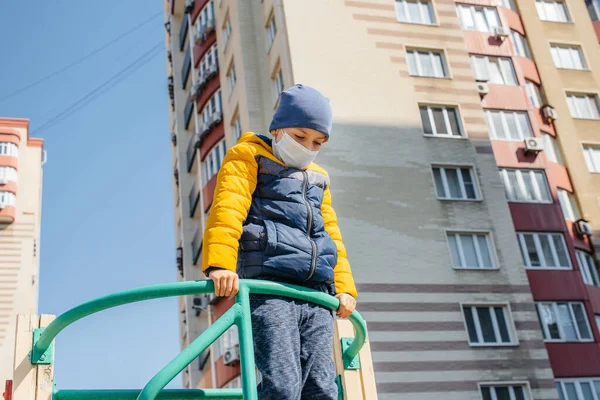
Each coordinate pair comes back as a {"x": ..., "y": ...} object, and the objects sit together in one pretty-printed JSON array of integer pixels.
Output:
[
  {"x": 183, "y": 32},
  {"x": 193, "y": 145},
  {"x": 196, "y": 245},
  {"x": 194, "y": 198},
  {"x": 185, "y": 69}
]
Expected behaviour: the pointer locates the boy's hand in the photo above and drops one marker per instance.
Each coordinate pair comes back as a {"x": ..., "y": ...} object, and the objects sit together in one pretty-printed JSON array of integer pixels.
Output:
[
  {"x": 227, "y": 283},
  {"x": 347, "y": 305}
]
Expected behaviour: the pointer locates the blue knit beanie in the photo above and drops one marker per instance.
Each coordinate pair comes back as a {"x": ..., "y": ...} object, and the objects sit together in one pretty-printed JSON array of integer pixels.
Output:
[{"x": 303, "y": 107}]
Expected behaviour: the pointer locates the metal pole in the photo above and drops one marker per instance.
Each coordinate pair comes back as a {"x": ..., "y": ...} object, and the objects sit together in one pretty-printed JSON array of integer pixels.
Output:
[{"x": 244, "y": 324}]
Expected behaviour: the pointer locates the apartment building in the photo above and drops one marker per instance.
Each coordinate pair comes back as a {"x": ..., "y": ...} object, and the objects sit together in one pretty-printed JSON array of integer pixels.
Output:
[
  {"x": 464, "y": 169},
  {"x": 21, "y": 160}
]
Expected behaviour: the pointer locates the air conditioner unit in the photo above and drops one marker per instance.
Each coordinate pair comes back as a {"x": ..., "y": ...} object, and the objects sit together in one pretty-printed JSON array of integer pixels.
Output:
[
  {"x": 200, "y": 303},
  {"x": 549, "y": 112},
  {"x": 189, "y": 6},
  {"x": 231, "y": 356},
  {"x": 3, "y": 181},
  {"x": 483, "y": 88},
  {"x": 533, "y": 145},
  {"x": 501, "y": 32},
  {"x": 583, "y": 227}
]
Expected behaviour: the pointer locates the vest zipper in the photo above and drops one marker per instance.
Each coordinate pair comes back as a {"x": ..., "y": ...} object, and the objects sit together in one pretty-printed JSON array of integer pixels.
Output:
[{"x": 313, "y": 264}]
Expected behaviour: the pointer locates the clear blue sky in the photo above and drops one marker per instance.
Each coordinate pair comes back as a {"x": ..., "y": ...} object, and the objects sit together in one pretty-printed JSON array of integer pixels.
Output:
[{"x": 107, "y": 218}]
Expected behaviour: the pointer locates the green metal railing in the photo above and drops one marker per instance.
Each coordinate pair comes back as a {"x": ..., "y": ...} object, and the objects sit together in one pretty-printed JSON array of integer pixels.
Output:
[{"x": 238, "y": 314}]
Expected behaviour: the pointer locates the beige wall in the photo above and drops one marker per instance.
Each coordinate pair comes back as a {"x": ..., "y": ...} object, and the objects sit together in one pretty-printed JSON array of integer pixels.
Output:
[{"x": 20, "y": 250}]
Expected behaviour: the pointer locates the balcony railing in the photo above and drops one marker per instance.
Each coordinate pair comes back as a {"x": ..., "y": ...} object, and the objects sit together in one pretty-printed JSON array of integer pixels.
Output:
[
  {"x": 183, "y": 31},
  {"x": 191, "y": 150},
  {"x": 194, "y": 198},
  {"x": 196, "y": 246}
]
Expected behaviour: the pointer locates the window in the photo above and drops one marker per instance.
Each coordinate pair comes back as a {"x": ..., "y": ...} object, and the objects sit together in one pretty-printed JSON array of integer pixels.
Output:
[
  {"x": 521, "y": 45},
  {"x": 587, "y": 266},
  {"x": 510, "y": 4},
  {"x": 271, "y": 31},
  {"x": 544, "y": 250},
  {"x": 593, "y": 7},
  {"x": 453, "y": 183},
  {"x": 508, "y": 125},
  {"x": 497, "y": 70},
  {"x": 426, "y": 63},
  {"x": 488, "y": 325},
  {"x": 578, "y": 389},
  {"x": 209, "y": 63},
  {"x": 470, "y": 250},
  {"x": 207, "y": 15},
  {"x": 9, "y": 149},
  {"x": 568, "y": 57},
  {"x": 551, "y": 149},
  {"x": 226, "y": 31},
  {"x": 8, "y": 198},
  {"x": 554, "y": 11},
  {"x": 598, "y": 326},
  {"x": 525, "y": 185},
  {"x": 227, "y": 340},
  {"x": 214, "y": 160},
  {"x": 564, "y": 322},
  {"x": 8, "y": 174},
  {"x": 504, "y": 392},
  {"x": 533, "y": 93},
  {"x": 277, "y": 82},
  {"x": 231, "y": 78},
  {"x": 474, "y": 18},
  {"x": 592, "y": 157},
  {"x": 213, "y": 107},
  {"x": 568, "y": 204},
  {"x": 583, "y": 106},
  {"x": 414, "y": 11},
  {"x": 440, "y": 121},
  {"x": 237, "y": 128}
]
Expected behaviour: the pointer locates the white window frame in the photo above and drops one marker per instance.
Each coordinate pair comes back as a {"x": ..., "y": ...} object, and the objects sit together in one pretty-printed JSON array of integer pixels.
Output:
[
  {"x": 277, "y": 83},
  {"x": 450, "y": 134},
  {"x": 443, "y": 168},
  {"x": 538, "y": 192},
  {"x": 472, "y": 9},
  {"x": 568, "y": 205},
  {"x": 203, "y": 16},
  {"x": 444, "y": 74},
  {"x": 534, "y": 94},
  {"x": 490, "y": 245},
  {"x": 521, "y": 45},
  {"x": 574, "y": 54},
  {"x": 9, "y": 149},
  {"x": 402, "y": 5},
  {"x": 226, "y": 31},
  {"x": 271, "y": 31},
  {"x": 587, "y": 267},
  {"x": 591, "y": 159},
  {"x": 213, "y": 161},
  {"x": 560, "y": 386},
  {"x": 214, "y": 104},
  {"x": 231, "y": 79},
  {"x": 542, "y": 10},
  {"x": 209, "y": 58},
  {"x": 540, "y": 251},
  {"x": 591, "y": 106},
  {"x": 482, "y": 69},
  {"x": 508, "y": 317},
  {"x": 236, "y": 127},
  {"x": 8, "y": 198},
  {"x": 559, "y": 324},
  {"x": 522, "y": 132},
  {"x": 595, "y": 5},
  {"x": 551, "y": 149},
  {"x": 523, "y": 384},
  {"x": 510, "y": 4},
  {"x": 9, "y": 173}
]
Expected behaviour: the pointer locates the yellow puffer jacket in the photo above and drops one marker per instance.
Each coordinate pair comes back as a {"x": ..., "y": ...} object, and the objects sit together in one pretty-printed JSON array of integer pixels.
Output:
[{"x": 264, "y": 231}]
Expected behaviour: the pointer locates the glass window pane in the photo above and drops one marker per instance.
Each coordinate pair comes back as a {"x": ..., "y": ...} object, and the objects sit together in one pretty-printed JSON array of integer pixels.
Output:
[
  {"x": 438, "y": 118},
  {"x": 453, "y": 118},
  {"x": 561, "y": 11},
  {"x": 546, "y": 250},
  {"x": 581, "y": 321},
  {"x": 413, "y": 11},
  {"x": 485, "y": 322},
  {"x": 507, "y": 72},
  {"x": 485, "y": 251},
  {"x": 502, "y": 324},
  {"x": 586, "y": 390},
  {"x": 426, "y": 63},
  {"x": 548, "y": 318},
  {"x": 597, "y": 387},
  {"x": 466, "y": 17},
  {"x": 468, "y": 183},
  {"x": 541, "y": 182},
  {"x": 532, "y": 251},
  {"x": 470, "y": 325},
  {"x": 492, "y": 17},
  {"x": 452, "y": 179},
  {"x": 571, "y": 391},
  {"x": 519, "y": 393},
  {"x": 523, "y": 120},
  {"x": 454, "y": 255},
  {"x": 427, "y": 10},
  {"x": 425, "y": 120},
  {"x": 469, "y": 252},
  {"x": 480, "y": 21},
  {"x": 439, "y": 185},
  {"x": 561, "y": 251},
  {"x": 502, "y": 393},
  {"x": 400, "y": 14},
  {"x": 511, "y": 122},
  {"x": 498, "y": 126},
  {"x": 566, "y": 322},
  {"x": 412, "y": 63},
  {"x": 438, "y": 65},
  {"x": 485, "y": 393},
  {"x": 494, "y": 71}
]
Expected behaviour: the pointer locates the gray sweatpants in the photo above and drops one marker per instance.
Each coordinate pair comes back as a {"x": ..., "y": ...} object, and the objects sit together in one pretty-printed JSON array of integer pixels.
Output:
[{"x": 293, "y": 349}]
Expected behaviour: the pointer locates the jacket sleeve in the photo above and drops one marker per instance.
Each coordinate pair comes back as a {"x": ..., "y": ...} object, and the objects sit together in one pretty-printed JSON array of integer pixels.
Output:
[
  {"x": 344, "y": 282},
  {"x": 236, "y": 182}
]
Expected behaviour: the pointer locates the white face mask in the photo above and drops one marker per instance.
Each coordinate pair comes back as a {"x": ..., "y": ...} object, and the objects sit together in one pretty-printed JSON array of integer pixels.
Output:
[{"x": 292, "y": 153}]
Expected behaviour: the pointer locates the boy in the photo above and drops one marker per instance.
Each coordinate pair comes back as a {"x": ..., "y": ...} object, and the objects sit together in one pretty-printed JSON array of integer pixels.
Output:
[{"x": 272, "y": 219}]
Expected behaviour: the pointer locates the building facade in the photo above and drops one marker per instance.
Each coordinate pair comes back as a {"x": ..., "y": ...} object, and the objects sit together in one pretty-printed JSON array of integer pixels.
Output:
[
  {"x": 464, "y": 164},
  {"x": 21, "y": 159}
]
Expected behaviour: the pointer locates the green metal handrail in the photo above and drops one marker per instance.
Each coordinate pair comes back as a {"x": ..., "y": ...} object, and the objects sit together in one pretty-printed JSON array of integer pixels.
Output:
[{"x": 238, "y": 314}]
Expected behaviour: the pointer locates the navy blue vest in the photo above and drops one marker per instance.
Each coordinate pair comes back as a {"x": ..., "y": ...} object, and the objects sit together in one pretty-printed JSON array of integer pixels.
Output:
[{"x": 284, "y": 237}]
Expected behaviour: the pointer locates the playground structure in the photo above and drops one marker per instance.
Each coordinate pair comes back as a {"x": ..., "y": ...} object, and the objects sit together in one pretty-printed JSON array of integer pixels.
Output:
[{"x": 33, "y": 376}]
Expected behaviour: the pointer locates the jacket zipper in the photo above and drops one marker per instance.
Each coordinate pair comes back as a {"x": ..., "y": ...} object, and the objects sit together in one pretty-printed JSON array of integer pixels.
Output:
[{"x": 313, "y": 264}]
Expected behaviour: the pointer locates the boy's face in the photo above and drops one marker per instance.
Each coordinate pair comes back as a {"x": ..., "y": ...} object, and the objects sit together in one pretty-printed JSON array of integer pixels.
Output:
[{"x": 307, "y": 137}]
